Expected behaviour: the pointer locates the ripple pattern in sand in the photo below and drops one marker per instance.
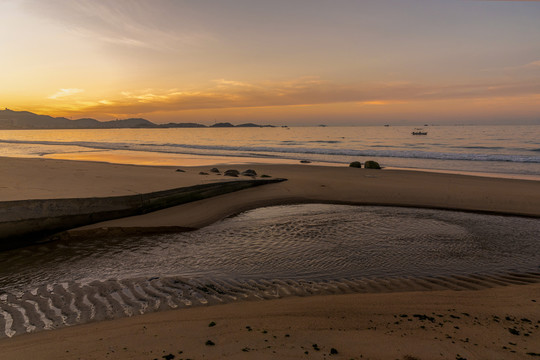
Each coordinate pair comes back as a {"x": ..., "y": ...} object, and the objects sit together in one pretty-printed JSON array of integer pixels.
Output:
[
  {"x": 47, "y": 308},
  {"x": 264, "y": 254}
]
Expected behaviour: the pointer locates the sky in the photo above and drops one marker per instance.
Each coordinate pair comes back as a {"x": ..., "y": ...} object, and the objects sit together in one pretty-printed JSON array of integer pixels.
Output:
[{"x": 295, "y": 62}]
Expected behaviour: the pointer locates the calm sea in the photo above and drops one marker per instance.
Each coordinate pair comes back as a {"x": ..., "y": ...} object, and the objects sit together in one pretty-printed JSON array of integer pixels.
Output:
[{"x": 503, "y": 150}]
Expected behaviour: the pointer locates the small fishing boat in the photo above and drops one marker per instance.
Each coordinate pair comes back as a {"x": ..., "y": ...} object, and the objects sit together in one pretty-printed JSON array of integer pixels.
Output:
[{"x": 418, "y": 131}]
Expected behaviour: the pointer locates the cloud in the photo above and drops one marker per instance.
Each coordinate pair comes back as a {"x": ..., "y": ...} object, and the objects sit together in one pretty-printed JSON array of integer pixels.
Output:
[
  {"x": 126, "y": 23},
  {"x": 65, "y": 92},
  {"x": 533, "y": 64},
  {"x": 304, "y": 91}
]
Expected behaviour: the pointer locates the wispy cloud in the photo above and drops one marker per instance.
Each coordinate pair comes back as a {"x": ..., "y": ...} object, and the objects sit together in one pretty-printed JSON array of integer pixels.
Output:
[
  {"x": 65, "y": 92},
  {"x": 533, "y": 64},
  {"x": 306, "y": 91},
  {"x": 519, "y": 68},
  {"x": 126, "y": 23}
]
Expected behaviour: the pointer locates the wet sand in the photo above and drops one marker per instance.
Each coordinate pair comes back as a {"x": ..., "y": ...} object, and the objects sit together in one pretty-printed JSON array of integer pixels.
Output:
[
  {"x": 498, "y": 323},
  {"x": 356, "y": 325}
]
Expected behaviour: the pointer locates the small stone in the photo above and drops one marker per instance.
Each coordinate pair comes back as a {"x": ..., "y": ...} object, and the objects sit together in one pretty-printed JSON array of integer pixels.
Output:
[
  {"x": 333, "y": 351},
  {"x": 180, "y": 170},
  {"x": 265, "y": 176},
  {"x": 305, "y": 161},
  {"x": 355, "y": 164},
  {"x": 203, "y": 173},
  {"x": 215, "y": 170},
  {"x": 210, "y": 343},
  {"x": 513, "y": 331}
]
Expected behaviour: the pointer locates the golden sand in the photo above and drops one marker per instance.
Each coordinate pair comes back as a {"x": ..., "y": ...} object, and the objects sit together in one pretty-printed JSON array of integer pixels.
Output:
[{"x": 499, "y": 322}]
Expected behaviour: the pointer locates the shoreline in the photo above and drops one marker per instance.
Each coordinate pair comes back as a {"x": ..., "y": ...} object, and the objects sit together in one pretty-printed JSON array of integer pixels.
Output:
[
  {"x": 42, "y": 179},
  {"x": 200, "y": 160}
]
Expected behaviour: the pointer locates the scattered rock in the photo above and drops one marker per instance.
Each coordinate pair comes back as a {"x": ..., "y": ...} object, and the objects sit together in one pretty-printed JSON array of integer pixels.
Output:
[
  {"x": 212, "y": 324},
  {"x": 370, "y": 164},
  {"x": 215, "y": 170},
  {"x": 333, "y": 351},
  {"x": 249, "y": 172},
  {"x": 209, "y": 343},
  {"x": 355, "y": 164},
  {"x": 203, "y": 173},
  {"x": 180, "y": 170},
  {"x": 409, "y": 357},
  {"x": 265, "y": 176},
  {"x": 305, "y": 161},
  {"x": 232, "y": 172},
  {"x": 423, "y": 317}
]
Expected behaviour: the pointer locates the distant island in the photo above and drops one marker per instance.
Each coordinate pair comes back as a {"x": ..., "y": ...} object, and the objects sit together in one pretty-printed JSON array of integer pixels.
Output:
[{"x": 22, "y": 120}]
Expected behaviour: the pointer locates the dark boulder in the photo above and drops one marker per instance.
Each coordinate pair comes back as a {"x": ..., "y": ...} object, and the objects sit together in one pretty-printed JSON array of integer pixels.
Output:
[
  {"x": 180, "y": 170},
  {"x": 215, "y": 170},
  {"x": 355, "y": 164},
  {"x": 370, "y": 164},
  {"x": 249, "y": 172},
  {"x": 232, "y": 172}
]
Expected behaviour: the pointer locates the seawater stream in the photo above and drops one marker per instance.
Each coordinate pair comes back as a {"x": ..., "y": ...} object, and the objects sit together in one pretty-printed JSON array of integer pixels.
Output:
[{"x": 264, "y": 253}]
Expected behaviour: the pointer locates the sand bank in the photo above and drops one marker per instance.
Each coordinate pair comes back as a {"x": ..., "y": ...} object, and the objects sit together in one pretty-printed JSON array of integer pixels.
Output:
[
  {"x": 499, "y": 323},
  {"x": 307, "y": 183},
  {"x": 24, "y": 179}
]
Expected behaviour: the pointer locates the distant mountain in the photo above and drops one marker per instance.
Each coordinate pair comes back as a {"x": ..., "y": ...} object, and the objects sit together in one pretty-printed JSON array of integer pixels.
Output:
[
  {"x": 11, "y": 120},
  {"x": 253, "y": 125},
  {"x": 182, "y": 125},
  {"x": 222, "y": 125}
]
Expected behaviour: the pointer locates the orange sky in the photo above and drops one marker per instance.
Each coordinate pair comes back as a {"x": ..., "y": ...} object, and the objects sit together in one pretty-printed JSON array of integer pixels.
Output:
[{"x": 282, "y": 62}]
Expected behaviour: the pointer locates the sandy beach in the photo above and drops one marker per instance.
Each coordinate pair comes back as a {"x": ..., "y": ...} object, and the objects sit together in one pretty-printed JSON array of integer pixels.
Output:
[
  {"x": 500, "y": 323},
  {"x": 486, "y": 318}
]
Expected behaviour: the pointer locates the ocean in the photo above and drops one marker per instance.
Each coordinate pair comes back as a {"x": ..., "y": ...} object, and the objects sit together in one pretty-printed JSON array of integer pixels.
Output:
[{"x": 493, "y": 150}]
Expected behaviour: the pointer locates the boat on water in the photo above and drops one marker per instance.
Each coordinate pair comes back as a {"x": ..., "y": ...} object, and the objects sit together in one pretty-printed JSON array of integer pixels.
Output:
[{"x": 419, "y": 131}]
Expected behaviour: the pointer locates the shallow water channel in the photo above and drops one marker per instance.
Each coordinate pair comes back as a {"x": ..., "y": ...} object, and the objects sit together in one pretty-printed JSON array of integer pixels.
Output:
[
  {"x": 264, "y": 254},
  {"x": 310, "y": 242}
]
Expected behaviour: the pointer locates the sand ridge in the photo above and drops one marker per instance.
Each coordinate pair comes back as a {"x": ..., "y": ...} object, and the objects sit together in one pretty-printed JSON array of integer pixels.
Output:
[{"x": 343, "y": 185}]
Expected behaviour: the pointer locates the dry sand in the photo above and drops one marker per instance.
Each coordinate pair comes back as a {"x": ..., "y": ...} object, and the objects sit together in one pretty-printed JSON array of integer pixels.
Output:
[
  {"x": 307, "y": 183},
  {"x": 499, "y": 323},
  {"x": 479, "y": 324}
]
